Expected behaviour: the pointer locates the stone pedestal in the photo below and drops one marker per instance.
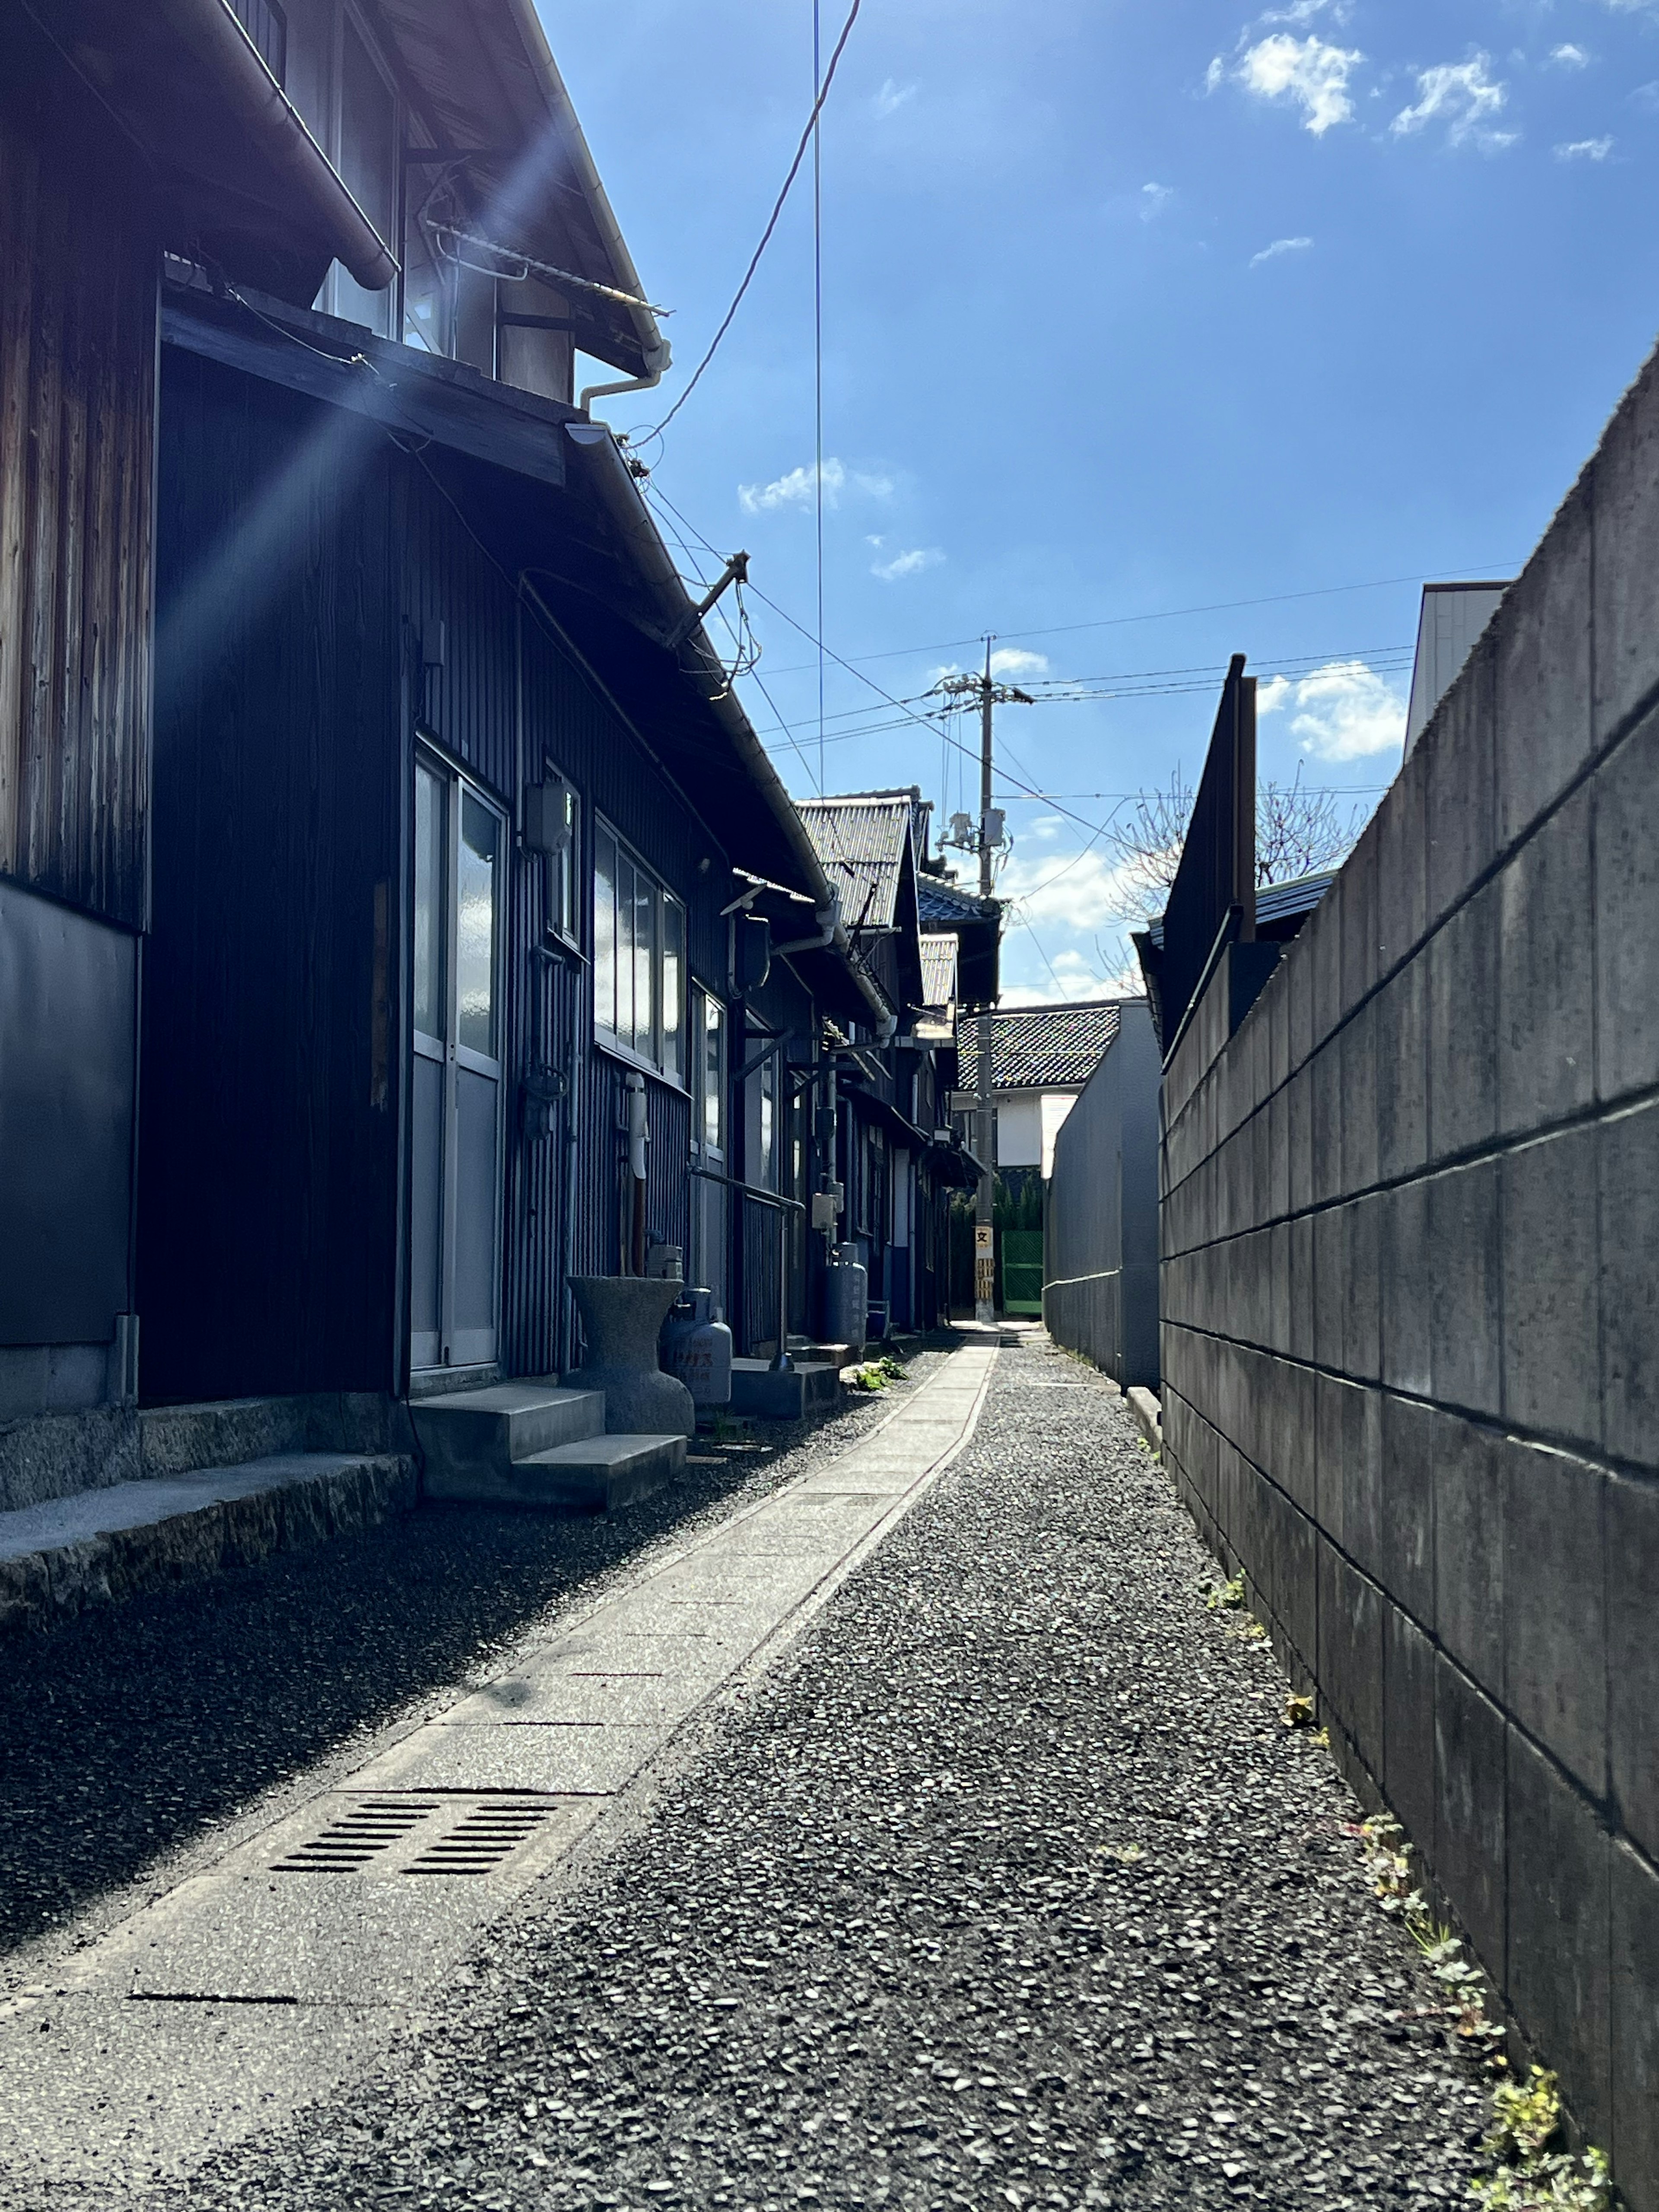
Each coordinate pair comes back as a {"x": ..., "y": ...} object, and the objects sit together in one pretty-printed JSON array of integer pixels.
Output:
[{"x": 622, "y": 1319}]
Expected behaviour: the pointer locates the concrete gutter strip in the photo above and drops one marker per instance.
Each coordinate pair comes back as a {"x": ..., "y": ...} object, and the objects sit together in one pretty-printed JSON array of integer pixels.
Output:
[
  {"x": 1148, "y": 1416},
  {"x": 58, "y": 1559}
]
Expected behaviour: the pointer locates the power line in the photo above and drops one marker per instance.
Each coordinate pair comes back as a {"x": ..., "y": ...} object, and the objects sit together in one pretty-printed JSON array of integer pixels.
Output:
[
  {"x": 818, "y": 356},
  {"x": 1171, "y": 614},
  {"x": 806, "y": 136}
]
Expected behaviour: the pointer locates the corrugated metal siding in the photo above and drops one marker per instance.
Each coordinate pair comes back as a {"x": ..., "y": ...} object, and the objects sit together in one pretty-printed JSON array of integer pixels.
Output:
[{"x": 77, "y": 384}]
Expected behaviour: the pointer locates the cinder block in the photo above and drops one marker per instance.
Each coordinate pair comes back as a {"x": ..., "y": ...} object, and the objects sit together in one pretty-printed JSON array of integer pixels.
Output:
[
  {"x": 1552, "y": 1352},
  {"x": 1541, "y": 650},
  {"x": 1462, "y": 1049},
  {"x": 1470, "y": 1490},
  {"x": 1278, "y": 1119},
  {"x": 1275, "y": 1003},
  {"x": 1470, "y": 1849},
  {"x": 1330, "y": 1253},
  {"x": 1632, "y": 1579},
  {"x": 1629, "y": 1285},
  {"x": 1299, "y": 1105},
  {"x": 1326, "y": 1072},
  {"x": 1322, "y": 933},
  {"x": 1403, "y": 1072},
  {"x": 1402, "y": 859},
  {"x": 1358, "y": 1055},
  {"x": 1625, "y": 796},
  {"x": 1301, "y": 1287},
  {"x": 1350, "y": 1467},
  {"x": 1555, "y": 1678},
  {"x": 1408, "y": 1727},
  {"x": 1350, "y": 1653},
  {"x": 1559, "y": 1931},
  {"x": 1461, "y": 812},
  {"x": 1545, "y": 975},
  {"x": 1295, "y": 1467},
  {"x": 1623, "y": 485},
  {"x": 1405, "y": 1564},
  {"x": 1298, "y": 1587},
  {"x": 1465, "y": 1272},
  {"x": 1279, "y": 1286},
  {"x": 1296, "y": 967},
  {"x": 1403, "y": 1279},
  {"x": 1362, "y": 1326},
  {"x": 1635, "y": 2035},
  {"x": 1359, "y": 896}
]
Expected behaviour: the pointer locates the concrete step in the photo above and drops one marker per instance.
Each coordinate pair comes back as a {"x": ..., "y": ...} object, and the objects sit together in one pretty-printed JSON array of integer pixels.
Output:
[
  {"x": 60, "y": 1558},
  {"x": 809, "y": 1387},
  {"x": 595, "y": 1475},
  {"x": 471, "y": 1437}
]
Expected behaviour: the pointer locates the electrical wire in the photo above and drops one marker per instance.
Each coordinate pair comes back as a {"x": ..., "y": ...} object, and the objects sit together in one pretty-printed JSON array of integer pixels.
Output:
[
  {"x": 1170, "y": 613},
  {"x": 728, "y": 319}
]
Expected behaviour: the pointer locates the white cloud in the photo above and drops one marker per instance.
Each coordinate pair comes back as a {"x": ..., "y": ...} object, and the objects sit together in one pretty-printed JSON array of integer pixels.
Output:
[
  {"x": 908, "y": 564},
  {"x": 1569, "y": 57},
  {"x": 1342, "y": 712},
  {"x": 1079, "y": 891},
  {"x": 1463, "y": 96},
  {"x": 1281, "y": 247},
  {"x": 1073, "y": 977},
  {"x": 1308, "y": 11},
  {"x": 1154, "y": 198},
  {"x": 891, "y": 97},
  {"x": 798, "y": 488},
  {"x": 1308, "y": 71},
  {"x": 1214, "y": 75},
  {"x": 1010, "y": 662},
  {"x": 1584, "y": 149}
]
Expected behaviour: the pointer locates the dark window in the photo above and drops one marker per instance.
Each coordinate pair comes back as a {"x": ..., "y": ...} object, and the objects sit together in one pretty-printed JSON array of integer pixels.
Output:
[{"x": 266, "y": 25}]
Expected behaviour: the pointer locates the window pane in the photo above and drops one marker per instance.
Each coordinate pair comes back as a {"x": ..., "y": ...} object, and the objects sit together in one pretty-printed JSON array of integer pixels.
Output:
[
  {"x": 645, "y": 961},
  {"x": 769, "y": 1122},
  {"x": 673, "y": 987},
  {"x": 475, "y": 940},
  {"x": 431, "y": 881},
  {"x": 604, "y": 930},
  {"x": 713, "y": 1087},
  {"x": 624, "y": 949}
]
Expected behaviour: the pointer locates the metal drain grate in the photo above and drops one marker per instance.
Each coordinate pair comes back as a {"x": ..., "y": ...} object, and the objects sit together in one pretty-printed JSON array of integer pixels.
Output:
[
  {"x": 481, "y": 1840},
  {"x": 347, "y": 1844}
]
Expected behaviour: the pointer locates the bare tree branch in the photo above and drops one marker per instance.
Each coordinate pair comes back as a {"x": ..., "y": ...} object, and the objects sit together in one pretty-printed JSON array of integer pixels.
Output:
[{"x": 1298, "y": 833}]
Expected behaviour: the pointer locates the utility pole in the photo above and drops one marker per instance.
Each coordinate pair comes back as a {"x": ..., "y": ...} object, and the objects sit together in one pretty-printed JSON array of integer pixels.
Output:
[
  {"x": 985, "y": 1265},
  {"x": 987, "y": 840}
]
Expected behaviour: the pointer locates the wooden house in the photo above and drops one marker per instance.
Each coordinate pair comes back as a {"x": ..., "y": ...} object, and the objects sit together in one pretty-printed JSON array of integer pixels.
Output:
[{"x": 423, "y": 897}]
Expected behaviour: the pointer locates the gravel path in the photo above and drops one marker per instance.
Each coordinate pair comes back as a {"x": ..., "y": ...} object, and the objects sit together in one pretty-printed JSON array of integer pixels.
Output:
[
  {"x": 1008, "y": 1887},
  {"x": 138, "y": 1734}
]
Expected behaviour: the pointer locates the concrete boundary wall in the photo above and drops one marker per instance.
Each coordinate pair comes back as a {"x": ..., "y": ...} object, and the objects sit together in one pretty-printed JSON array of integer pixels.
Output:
[
  {"x": 1410, "y": 1231},
  {"x": 1100, "y": 1225}
]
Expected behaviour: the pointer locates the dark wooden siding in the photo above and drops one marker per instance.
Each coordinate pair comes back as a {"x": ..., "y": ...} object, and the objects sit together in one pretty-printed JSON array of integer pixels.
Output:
[
  {"x": 78, "y": 387},
  {"x": 269, "y": 1199},
  {"x": 321, "y": 596}
]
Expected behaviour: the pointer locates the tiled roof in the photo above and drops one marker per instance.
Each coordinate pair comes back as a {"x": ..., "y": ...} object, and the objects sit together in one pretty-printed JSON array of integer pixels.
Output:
[
  {"x": 938, "y": 971},
  {"x": 1042, "y": 1048},
  {"x": 947, "y": 903},
  {"x": 860, "y": 842}
]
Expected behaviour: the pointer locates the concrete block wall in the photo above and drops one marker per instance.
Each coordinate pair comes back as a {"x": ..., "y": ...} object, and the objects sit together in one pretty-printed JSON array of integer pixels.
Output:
[{"x": 1410, "y": 1230}]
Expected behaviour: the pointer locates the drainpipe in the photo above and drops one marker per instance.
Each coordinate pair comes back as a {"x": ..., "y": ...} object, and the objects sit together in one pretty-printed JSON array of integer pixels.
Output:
[
  {"x": 638, "y": 1138},
  {"x": 277, "y": 128}
]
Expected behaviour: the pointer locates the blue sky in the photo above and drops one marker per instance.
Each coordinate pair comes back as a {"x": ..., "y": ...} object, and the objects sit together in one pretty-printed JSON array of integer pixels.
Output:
[{"x": 1129, "y": 309}]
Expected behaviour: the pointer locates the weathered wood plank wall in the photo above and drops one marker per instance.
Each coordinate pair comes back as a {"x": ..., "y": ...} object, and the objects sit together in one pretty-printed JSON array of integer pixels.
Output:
[{"x": 77, "y": 398}]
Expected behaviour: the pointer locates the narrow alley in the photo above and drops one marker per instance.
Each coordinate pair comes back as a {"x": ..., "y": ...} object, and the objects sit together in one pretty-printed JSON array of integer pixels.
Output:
[{"x": 973, "y": 1864}]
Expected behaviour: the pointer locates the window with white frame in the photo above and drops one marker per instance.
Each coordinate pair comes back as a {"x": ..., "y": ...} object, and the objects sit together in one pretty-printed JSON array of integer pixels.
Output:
[
  {"x": 639, "y": 958},
  {"x": 709, "y": 1052}
]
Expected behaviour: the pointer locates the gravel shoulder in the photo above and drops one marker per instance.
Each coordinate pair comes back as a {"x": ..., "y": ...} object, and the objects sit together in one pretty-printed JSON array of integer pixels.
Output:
[
  {"x": 1007, "y": 1886},
  {"x": 141, "y": 1738}
]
